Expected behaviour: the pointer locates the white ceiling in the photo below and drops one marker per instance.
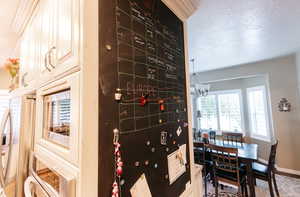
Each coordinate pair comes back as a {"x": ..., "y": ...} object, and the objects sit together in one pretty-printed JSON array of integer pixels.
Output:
[
  {"x": 8, "y": 38},
  {"x": 225, "y": 33}
]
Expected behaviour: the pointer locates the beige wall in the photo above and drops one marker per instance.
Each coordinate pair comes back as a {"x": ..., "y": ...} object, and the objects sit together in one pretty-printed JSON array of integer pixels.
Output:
[
  {"x": 282, "y": 81},
  {"x": 4, "y": 79}
]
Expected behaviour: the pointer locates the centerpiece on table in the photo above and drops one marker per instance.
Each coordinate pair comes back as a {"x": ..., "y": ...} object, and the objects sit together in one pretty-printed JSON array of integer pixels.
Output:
[{"x": 12, "y": 65}]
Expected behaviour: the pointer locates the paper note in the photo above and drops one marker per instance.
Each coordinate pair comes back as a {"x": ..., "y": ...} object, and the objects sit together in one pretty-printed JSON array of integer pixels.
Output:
[
  {"x": 141, "y": 188},
  {"x": 182, "y": 150},
  {"x": 176, "y": 165}
]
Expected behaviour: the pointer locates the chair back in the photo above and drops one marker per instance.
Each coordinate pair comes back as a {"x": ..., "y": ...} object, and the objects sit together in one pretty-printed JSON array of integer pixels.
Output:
[
  {"x": 233, "y": 137},
  {"x": 225, "y": 159},
  {"x": 272, "y": 157},
  {"x": 212, "y": 135},
  {"x": 199, "y": 152}
]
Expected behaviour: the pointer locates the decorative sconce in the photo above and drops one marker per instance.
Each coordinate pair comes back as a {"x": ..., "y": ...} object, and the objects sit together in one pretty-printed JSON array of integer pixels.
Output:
[{"x": 284, "y": 105}]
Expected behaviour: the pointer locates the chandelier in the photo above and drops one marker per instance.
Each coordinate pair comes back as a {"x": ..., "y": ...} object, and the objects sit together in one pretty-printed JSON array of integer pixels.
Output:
[{"x": 198, "y": 89}]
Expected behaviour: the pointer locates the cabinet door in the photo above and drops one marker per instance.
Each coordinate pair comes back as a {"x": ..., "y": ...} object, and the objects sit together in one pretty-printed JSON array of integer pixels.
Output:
[
  {"x": 24, "y": 58},
  {"x": 67, "y": 31},
  {"x": 47, "y": 14}
]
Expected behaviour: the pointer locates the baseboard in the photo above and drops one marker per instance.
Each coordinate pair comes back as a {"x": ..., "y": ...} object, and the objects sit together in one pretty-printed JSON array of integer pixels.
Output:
[{"x": 284, "y": 171}]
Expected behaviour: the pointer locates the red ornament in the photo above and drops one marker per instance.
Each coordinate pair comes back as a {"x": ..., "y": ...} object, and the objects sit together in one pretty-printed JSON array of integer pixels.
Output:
[
  {"x": 161, "y": 105},
  {"x": 119, "y": 170}
]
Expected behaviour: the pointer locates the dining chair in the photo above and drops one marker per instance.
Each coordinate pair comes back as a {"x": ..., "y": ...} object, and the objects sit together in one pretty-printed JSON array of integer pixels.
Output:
[
  {"x": 227, "y": 170},
  {"x": 233, "y": 138},
  {"x": 202, "y": 158},
  {"x": 212, "y": 135},
  {"x": 266, "y": 172}
]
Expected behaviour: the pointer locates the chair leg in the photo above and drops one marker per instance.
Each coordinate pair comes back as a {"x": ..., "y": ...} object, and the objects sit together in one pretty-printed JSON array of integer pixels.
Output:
[
  {"x": 275, "y": 184},
  {"x": 205, "y": 186},
  {"x": 246, "y": 190},
  {"x": 243, "y": 190},
  {"x": 270, "y": 186},
  {"x": 216, "y": 188}
]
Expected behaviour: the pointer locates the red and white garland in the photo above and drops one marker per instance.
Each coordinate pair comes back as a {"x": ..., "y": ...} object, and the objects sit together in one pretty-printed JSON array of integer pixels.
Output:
[{"x": 118, "y": 165}]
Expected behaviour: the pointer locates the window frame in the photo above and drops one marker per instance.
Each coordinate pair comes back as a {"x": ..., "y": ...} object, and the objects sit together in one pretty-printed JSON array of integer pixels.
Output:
[
  {"x": 266, "y": 138},
  {"x": 223, "y": 92}
]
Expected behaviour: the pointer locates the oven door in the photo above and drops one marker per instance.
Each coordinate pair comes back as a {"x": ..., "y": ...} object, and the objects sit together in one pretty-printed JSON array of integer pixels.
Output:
[
  {"x": 55, "y": 177},
  {"x": 33, "y": 189}
]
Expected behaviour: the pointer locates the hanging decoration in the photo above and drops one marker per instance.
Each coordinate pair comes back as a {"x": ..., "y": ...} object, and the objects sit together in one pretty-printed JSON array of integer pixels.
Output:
[
  {"x": 12, "y": 65},
  {"x": 118, "y": 165}
]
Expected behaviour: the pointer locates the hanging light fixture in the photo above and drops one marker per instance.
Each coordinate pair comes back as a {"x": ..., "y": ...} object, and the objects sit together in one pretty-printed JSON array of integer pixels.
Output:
[{"x": 198, "y": 89}]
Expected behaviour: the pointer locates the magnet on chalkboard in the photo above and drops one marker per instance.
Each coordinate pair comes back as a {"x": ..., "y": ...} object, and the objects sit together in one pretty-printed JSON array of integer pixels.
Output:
[
  {"x": 161, "y": 105},
  {"x": 153, "y": 150},
  {"x": 163, "y": 138},
  {"x": 137, "y": 164},
  {"x": 146, "y": 162},
  {"x": 144, "y": 100},
  {"x": 118, "y": 94}
]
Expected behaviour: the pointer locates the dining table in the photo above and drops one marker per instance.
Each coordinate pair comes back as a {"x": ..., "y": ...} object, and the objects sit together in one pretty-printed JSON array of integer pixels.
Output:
[{"x": 247, "y": 154}]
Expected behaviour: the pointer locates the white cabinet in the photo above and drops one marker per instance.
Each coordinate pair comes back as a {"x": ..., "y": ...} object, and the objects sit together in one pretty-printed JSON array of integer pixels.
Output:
[
  {"x": 29, "y": 54},
  {"x": 60, "y": 45},
  {"x": 51, "y": 41}
]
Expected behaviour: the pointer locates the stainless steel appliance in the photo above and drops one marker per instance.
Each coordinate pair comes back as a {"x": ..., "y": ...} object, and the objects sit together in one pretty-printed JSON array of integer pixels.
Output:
[{"x": 16, "y": 133}]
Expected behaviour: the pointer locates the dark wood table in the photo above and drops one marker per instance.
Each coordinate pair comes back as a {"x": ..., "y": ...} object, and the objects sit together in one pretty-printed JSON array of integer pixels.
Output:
[{"x": 247, "y": 154}]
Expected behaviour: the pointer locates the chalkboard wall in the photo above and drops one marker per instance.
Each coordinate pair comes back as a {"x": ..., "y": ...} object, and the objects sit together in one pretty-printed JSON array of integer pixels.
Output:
[{"x": 142, "y": 54}]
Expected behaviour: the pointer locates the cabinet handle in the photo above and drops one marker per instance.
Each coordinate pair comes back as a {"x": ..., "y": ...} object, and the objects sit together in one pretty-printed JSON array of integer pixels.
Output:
[
  {"x": 46, "y": 62},
  {"x": 50, "y": 56},
  {"x": 23, "y": 79}
]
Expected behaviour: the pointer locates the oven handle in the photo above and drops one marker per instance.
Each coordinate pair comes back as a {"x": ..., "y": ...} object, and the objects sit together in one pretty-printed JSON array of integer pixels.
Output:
[{"x": 27, "y": 189}]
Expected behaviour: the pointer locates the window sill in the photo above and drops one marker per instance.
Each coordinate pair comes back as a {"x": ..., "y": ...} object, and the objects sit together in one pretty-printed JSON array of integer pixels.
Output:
[{"x": 265, "y": 139}]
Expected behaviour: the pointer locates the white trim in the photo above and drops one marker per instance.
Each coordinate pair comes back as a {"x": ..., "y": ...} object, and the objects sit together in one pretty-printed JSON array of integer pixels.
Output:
[
  {"x": 252, "y": 135},
  {"x": 286, "y": 170},
  {"x": 23, "y": 14},
  {"x": 183, "y": 9},
  {"x": 289, "y": 171}
]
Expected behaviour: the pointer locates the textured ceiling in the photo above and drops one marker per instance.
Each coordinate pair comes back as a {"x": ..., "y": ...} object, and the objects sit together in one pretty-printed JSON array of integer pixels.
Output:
[
  {"x": 225, "y": 33},
  {"x": 7, "y": 37}
]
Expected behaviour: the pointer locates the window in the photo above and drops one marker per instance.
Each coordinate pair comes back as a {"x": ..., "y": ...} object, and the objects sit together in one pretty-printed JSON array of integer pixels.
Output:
[
  {"x": 221, "y": 111},
  {"x": 258, "y": 113}
]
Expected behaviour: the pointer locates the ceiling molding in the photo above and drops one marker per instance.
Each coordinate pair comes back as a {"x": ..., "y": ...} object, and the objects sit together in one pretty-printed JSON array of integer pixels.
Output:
[
  {"x": 183, "y": 8},
  {"x": 23, "y": 15}
]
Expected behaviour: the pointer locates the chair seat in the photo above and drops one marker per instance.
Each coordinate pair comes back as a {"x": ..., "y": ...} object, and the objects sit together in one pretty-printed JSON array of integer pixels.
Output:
[
  {"x": 231, "y": 176},
  {"x": 260, "y": 169}
]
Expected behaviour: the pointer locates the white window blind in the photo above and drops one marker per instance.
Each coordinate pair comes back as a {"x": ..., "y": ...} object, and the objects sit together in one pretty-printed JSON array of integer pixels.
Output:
[
  {"x": 4, "y": 102},
  {"x": 209, "y": 115},
  {"x": 230, "y": 112},
  {"x": 221, "y": 111},
  {"x": 258, "y": 114}
]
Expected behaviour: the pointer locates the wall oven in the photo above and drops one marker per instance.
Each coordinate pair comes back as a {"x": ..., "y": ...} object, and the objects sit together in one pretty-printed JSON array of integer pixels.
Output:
[
  {"x": 49, "y": 178},
  {"x": 58, "y": 117}
]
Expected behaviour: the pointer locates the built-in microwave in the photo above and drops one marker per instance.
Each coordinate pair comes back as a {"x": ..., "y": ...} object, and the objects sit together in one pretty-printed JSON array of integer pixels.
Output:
[
  {"x": 49, "y": 178},
  {"x": 58, "y": 110}
]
